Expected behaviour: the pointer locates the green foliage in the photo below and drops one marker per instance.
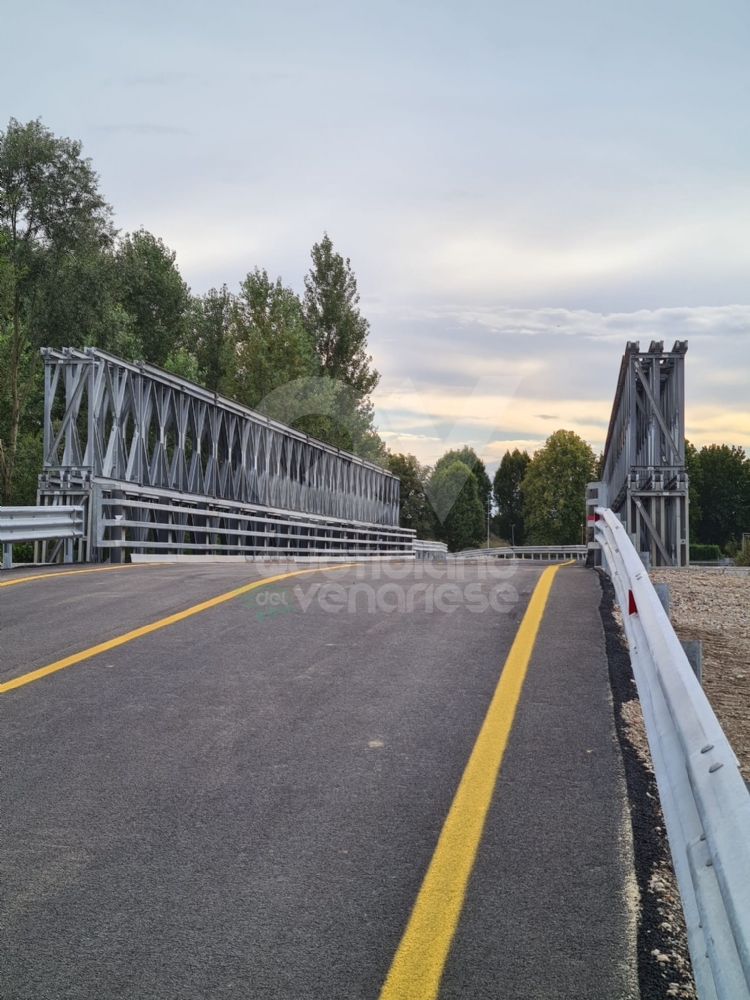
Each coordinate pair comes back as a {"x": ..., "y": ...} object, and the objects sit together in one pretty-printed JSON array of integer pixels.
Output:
[
  {"x": 336, "y": 327},
  {"x": 695, "y": 488},
  {"x": 720, "y": 490},
  {"x": 210, "y": 340},
  {"x": 23, "y": 552},
  {"x": 277, "y": 370},
  {"x": 506, "y": 487},
  {"x": 742, "y": 556},
  {"x": 271, "y": 344},
  {"x": 415, "y": 508},
  {"x": 454, "y": 495},
  {"x": 554, "y": 490},
  {"x": 27, "y": 468},
  {"x": 152, "y": 292},
  {"x": 475, "y": 465},
  {"x": 181, "y": 362},
  {"x": 56, "y": 237},
  {"x": 704, "y": 553}
]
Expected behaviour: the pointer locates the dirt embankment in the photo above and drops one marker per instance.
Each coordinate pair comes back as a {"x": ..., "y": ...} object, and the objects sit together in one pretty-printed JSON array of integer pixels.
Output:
[{"x": 714, "y": 606}]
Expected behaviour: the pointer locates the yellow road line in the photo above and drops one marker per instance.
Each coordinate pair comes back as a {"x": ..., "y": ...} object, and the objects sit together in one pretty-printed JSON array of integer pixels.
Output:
[
  {"x": 101, "y": 647},
  {"x": 72, "y": 572},
  {"x": 418, "y": 964}
]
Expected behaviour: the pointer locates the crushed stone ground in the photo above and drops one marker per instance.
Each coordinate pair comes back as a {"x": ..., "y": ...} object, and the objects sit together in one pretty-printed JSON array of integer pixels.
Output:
[{"x": 713, "y": 605}]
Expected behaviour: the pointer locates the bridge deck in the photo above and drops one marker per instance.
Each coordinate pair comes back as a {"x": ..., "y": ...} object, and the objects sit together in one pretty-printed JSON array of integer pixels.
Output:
[{"x": 245, "y": 802}]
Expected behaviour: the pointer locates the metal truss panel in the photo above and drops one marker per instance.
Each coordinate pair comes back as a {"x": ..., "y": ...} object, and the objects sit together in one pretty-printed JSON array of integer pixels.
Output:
[{"x": 135, "y": 423}]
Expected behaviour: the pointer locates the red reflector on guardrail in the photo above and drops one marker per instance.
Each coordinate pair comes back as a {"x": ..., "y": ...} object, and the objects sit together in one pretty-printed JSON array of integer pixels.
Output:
[{"x": 632, "y": 606}]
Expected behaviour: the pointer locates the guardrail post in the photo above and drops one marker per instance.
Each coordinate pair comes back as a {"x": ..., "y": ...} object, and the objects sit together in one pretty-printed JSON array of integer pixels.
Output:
[
  {"x": 68, "y": 551},
  {"x": 7, "y": 555},
  {"x": 693, "y": 647},
  {"x": 662, "y": 592},
  {"x": 694, "y": 652}
]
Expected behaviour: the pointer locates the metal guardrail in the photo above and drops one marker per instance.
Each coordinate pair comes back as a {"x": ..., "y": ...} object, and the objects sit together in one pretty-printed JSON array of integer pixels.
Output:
[
  {"x": 705, "y": 802},
  {"x": 40, "y": 524},
  {"x": 551, "y": 552},
  {"x": 424, "y": 549},
  {"x": 149, "y": 520}
]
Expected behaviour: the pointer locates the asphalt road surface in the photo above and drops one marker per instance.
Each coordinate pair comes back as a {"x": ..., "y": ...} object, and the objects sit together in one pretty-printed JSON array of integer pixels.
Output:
[{"x": 244, "y": 802}]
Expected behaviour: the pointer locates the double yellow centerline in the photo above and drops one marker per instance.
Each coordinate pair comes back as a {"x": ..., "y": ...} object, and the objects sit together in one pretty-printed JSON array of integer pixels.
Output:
[{"x": 417, "y": 967}]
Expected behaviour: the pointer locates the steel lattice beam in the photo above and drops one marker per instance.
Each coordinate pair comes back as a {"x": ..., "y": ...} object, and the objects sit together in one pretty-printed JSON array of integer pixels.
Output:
[
  {"x": 110, "y": 424},
  {"x": 138, "y": 424}
]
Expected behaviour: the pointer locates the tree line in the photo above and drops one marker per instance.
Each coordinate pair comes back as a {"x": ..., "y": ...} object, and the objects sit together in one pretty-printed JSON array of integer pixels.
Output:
[
  {"x": 719, "y": 495},
  {"x": 539, "y": 500}
]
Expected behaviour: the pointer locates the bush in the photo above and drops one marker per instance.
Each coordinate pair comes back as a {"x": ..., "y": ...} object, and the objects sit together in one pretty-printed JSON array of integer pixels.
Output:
[{"x": 704, "y": 553}]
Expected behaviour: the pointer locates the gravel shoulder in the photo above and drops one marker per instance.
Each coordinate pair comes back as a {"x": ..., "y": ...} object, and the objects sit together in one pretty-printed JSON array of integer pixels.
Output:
[{"x": 713, "y": 605}]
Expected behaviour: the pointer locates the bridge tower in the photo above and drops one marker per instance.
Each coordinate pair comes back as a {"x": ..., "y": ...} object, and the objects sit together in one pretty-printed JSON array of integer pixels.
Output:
[{"x": 644, "y": 475}]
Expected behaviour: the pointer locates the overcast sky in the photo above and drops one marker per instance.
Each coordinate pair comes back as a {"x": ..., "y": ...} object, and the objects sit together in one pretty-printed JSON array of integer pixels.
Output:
[{"x": 521, "y": 187}]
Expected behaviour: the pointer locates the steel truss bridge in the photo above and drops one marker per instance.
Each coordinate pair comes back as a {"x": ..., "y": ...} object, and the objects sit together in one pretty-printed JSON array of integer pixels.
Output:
[
  {"x": 644, "y": 479},
  {"x": 162, "y": 465}
]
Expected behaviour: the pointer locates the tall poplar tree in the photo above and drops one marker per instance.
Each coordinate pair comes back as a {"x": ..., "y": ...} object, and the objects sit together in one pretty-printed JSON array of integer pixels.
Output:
[{"x": 336, "y": 326}]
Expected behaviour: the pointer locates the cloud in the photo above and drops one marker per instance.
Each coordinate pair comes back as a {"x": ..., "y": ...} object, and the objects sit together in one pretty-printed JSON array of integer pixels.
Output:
[
  {"x": 566, "y": 359},
  {"x": 142, "y": 128},
  {"x": 164, "y": 79}
]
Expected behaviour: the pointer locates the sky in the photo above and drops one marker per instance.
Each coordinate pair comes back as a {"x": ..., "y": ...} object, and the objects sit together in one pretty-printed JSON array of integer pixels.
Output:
[{"x": 521, "y": 188}]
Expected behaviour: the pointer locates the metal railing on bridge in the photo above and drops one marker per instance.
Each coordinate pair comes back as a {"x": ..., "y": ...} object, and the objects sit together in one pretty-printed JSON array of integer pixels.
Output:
[
  {"x": 549, "y": 553},
  {"x": 427, "y": 549},
  {"x": 62, "y": 525}
]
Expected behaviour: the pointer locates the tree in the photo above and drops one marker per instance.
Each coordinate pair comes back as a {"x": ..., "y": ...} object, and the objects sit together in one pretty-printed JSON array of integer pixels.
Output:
[
  {"x": 271, "y": 343},
  {"x": 506, "y": 487},
  {"x": 723, "y": 489},
  {"x": 695, "y": 489},
  {"x": 153, "y": 294},
  {"x": 336, "y": 327},
  {"x": 209, "y": 340},
  {"x": 52, "y": 217},
  {"x": 415, "y": 509},
  {"x": 474, "y": 464},
  {"x": 453, "y": 490},
  {"x": 554, "y": 490}
]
